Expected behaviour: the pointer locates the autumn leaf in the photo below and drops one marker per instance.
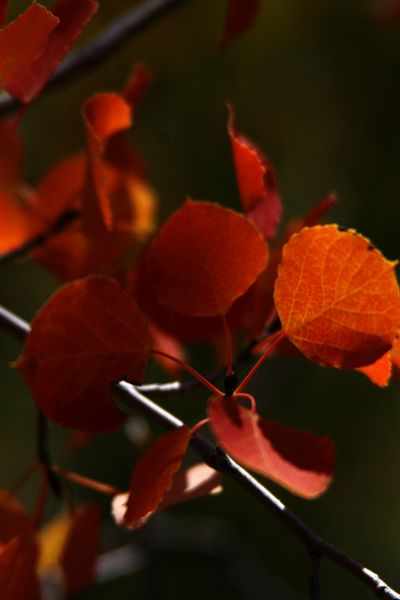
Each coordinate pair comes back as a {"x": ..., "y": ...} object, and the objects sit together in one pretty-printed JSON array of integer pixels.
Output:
[
  {"x": 337, "y": 297},
  {"x": 297, "y": 460},
  {"x": 203, "y": 258},
  {"x": 240, "y": 16},
  {"x": 154, "y": 474},
  {"x": 195, "y": 482},
  {"x": 72, "y": 16},
  {"x": 13, "y": 519},
  {"x": 78, "y": 557},
  {"x": 104, "y": 115},
  {"x": 18, "y": 560},
  {"x": 380, "y": 371},
  {"x": 23, "y": 40},
  {"x": 137, "y": 84},
  {"x": 256, "y": 181},
  {"x": 89, "y": 334}
]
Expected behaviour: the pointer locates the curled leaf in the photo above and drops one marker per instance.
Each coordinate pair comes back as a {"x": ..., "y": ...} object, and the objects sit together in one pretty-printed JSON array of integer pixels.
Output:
[
  {"x": 297, "y": 460},
  {"x": 256, "y": 180},
  {"x": 154, "y": 474}
]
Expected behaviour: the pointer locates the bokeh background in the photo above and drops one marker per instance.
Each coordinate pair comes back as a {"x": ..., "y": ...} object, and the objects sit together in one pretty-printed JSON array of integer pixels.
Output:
[{"x": 317, "y": 86}]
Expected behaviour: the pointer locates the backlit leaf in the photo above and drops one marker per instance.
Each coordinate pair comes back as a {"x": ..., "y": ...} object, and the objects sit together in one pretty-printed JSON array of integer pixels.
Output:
[
  {"x": 73, "y": 15},
  {"x": 205, "y": 257},
  {"x": 154, "y": 474},
  {"x": 256, "y": 181},
  {"x": 380, "y": 371},
  {"x": 89, "y": 334},
  {"x": 240, "y": 16},
  {"x": 104, "y": 115},
  {"x": 23, "y": 40},
  {"x": 297, "y": 460},
  {"x": 337, "y": 297},
  {"x": 197, "y": 481}
]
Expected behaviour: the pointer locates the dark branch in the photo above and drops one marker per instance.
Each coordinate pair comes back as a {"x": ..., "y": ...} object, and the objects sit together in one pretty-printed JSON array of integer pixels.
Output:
[
  {"x": 63, "y": 221},
  {"x": 101, "y": 48},
  {"x": 213, "y": 456}
]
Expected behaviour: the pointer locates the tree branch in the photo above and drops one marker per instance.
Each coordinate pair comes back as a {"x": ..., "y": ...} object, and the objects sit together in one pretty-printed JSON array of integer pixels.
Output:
[
  {"x": 316, "y": 546},
  {"x": 62, "y": 222},
  {"x": 102, "y": 47}
]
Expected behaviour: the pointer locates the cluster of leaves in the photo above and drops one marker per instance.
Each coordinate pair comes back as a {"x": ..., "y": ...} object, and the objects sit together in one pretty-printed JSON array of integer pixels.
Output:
[{"x": 208, "y": 274}]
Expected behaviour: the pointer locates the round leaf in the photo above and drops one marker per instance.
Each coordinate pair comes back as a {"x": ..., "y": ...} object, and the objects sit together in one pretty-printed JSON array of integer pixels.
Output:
[
  {"x": 204, "y": 258},
  {"x": 337, "y": 297},
  {"x": 89, "y": 334}
]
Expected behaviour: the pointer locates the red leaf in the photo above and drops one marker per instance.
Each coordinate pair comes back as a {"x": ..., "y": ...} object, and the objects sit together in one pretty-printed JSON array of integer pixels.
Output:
[
  {"x": 13, "y": 518},
  {"x": 104, "y": 115},
  {"x": 23, "y": 40},
  {"x": 205, "y": 257},
  {"x": 337, "y": 297},
  {"x": 298, "y": 460},
  {"x": 256, "y": 180},
  {"x": 137, "y": 85},
  {"x": 73, "y": 16},
  {"x": 78, "y": 557},
  {"x": 18, "y": 579},
  {"x": 154, "y": 474},
  {"x": 89, "y": 334},
  {"x": 240, "y": 16}
]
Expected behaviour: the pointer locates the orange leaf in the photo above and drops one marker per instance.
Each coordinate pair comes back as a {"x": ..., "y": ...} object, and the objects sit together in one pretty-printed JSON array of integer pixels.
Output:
[
  {"x": 73, "y": 15},
  {"x": 380, "y": 371},
  {"x": 154, "y": 474},
  {"x": 23, "y": 40},
  {"x": 256, "y": 180},
  {"x": 18, "y": 580},
  {"x": 104, "y": 115},
  {"x": 240, "y": 16},
  {"x": 13, "y": 518},
  {"x": 89, "y": 334},
  {"x": 205, "y": 257},
  {"x": 78, "y": 557},
  {"x": 337, "y": 297},
  {"x": 297, "y": 460}
]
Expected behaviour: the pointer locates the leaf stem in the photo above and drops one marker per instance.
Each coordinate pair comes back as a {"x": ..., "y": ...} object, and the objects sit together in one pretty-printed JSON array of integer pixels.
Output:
[
  {"x": 190, "y": 370},
  {"x": 275, "y": 339},
  {"x": 92, "y": 484}
]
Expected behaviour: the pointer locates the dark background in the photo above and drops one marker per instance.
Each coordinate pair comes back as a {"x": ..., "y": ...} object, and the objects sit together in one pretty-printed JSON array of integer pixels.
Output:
[{"x": 316, "y": 85}]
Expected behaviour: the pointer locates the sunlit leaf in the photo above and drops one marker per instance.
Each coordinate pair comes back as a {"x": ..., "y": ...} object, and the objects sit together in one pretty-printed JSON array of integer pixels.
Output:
[
  {"x": 298, "y": 460},
  {"x": 257, "y": 182},
  {"x": 73, "y": 15},
  {"x": 205, "y": 257},
  {"x": 337, "y": 297}
]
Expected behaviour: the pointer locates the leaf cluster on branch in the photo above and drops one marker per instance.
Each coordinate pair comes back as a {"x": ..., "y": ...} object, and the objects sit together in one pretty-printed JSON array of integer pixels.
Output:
[{"x": 133, "y": 292}]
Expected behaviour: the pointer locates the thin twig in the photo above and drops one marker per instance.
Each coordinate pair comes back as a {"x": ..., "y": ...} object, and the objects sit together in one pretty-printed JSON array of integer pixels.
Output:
[
  {"x": 214, "y": 457},
  {"x": 102, "y": 47},
  {"x": 44, "y": 456},
  {"x": 62, "y": 222}
]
